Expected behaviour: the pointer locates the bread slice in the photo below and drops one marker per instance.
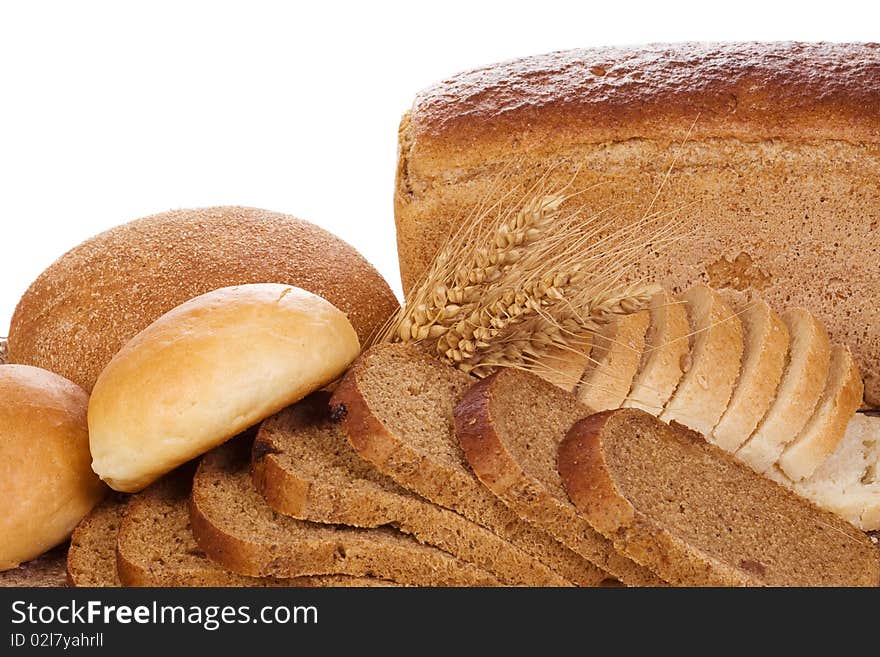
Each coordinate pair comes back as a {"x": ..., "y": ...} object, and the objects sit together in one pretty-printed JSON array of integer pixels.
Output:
[
  {"x": 91, "y": 559},
  {"x": 837, "y": 405},
  {"x": 766, "y": 341},
  {"x": 155, "y": 545},
  {"x": 46, "y": 570},
  {"x": 509, "y": 426},
  {"x": 692, "y": 513},
  {"x": 563, "y": 366},
  {"x": 848, "y": 482},
  {"x": 712, "y": 365},
  {"x": 304, "y": 467},
  {"x": 237, "y": 529},
  {"x": 666, "y": 348},
  {"x": 397, "y": 406},
  {"x": 614, "y": 362},
  {"x": 802, "y": 383}
]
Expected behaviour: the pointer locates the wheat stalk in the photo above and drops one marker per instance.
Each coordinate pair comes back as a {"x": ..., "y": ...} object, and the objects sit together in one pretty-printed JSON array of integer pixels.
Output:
[{"x": 515, "y": 283}]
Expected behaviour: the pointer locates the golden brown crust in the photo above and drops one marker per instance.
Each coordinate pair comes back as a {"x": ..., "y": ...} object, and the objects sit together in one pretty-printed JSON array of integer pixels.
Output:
[
  {"x": 748, "y": 91},
  {"x": 45, "y": 476},
  {"x": 79, "y": 312}
]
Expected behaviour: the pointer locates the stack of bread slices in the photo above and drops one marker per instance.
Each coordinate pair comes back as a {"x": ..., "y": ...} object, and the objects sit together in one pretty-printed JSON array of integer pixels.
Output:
[{"x": 411, "y": 472}]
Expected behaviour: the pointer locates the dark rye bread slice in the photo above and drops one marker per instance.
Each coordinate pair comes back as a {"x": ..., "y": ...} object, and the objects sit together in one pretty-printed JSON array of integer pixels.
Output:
[
  {"x": 304, "y": 467},
  {"x": 510, "y": 426},
  {"x": 696, "y": 516},
  {"x": 236, "y": 528},
  {"x": 46, "y": 570},
  {"x": 397, "y": 405},
  {"x": 155, "y": 545},
  {"x": 91, "y": 559}
]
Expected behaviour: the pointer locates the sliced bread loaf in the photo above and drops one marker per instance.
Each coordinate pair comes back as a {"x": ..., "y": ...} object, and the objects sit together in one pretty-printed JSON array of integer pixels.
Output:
[
  {"x": 614, "y": 362},
  {"x": 397, "y": 405},
  {"x": 692, "y": 513},
  {"x": 44, "y": 571},
  {"x": 848, "y": 482},
  {"x": 509, "y": 426},
  {"x": 766, "y": 339},
  {"x": 803, "y": 380},
  {"x": 91, "y": 559},
  {"x": 666, "y": 348},
  {"x": 840, "y": 400},
  {"x": 237, "y": 529},
  {"x": 713, "y": 364},
  {"x": 304, "y": 467},
  {"x": 155, "y": 545}
]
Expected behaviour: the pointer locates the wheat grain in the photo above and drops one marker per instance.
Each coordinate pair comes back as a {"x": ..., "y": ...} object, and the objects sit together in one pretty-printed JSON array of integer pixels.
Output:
[{"x": 516, "y": 283}]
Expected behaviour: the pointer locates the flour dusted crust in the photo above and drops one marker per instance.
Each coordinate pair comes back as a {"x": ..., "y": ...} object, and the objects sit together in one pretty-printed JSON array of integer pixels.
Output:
[{"x": 85, "y": 306}]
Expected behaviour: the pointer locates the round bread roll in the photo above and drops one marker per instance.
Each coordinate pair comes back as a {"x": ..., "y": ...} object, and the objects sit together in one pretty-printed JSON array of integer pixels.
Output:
[
  {"x": 207, "y": 370},
  {"x": 95, "y": 298},
  {"x": 46, "y": 483}
]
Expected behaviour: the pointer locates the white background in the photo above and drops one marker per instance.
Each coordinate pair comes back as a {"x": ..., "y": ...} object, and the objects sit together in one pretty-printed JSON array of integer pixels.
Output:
[{"x": 111, "y": 110}]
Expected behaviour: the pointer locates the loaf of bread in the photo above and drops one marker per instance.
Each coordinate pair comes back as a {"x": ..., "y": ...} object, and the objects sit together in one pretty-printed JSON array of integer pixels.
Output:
[
  {"x": 775, "y": 183},
  {"x": 97, "y": 296},
  {"x": 207, "y": 370},
  {"x": 46, "y": 482}
]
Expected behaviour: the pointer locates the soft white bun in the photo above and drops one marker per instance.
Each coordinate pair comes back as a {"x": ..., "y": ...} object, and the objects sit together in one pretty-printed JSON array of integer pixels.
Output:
[
  {"x": 208, "y": 369},
  {"x": 46, "y": 484}
]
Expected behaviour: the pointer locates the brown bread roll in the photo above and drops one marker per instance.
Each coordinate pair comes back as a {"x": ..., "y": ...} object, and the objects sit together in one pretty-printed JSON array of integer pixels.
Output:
[{"x": 92, "y": 300}]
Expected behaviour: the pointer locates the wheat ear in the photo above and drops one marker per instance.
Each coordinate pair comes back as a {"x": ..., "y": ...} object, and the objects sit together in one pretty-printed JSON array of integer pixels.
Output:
[{"x": 514, "y": 283}]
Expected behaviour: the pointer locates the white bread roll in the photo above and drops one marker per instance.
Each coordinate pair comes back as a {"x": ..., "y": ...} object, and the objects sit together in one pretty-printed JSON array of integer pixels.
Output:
[
  {"x": 46, "y": 483},
  {"x": 208, "y": 369}
]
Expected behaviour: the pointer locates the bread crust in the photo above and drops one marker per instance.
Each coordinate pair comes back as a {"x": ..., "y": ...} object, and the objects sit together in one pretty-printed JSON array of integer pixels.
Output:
[
  {"x": 499, "y": 471},
  {"x": 748, "y": 91},
  {"x": 207, "y": 370},
  {"x": 45, "y": 474},
  {"x": 591, "y": 483},
  {"x": 412, "y": 470},
  {"x": 310, "y": 498},
  {"x": 85, "y": 306},
  {"x": 309, "y": 548},
  {"x": 592, "y": 489}
]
